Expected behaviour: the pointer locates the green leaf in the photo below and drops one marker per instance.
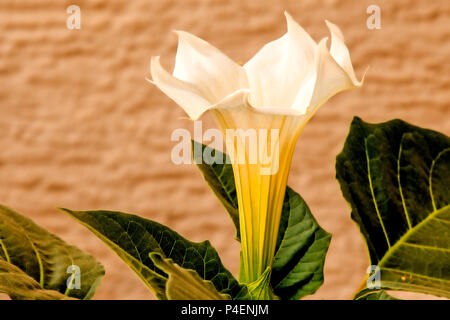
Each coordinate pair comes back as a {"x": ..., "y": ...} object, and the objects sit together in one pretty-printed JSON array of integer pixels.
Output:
[
  {"x": 259, "y": 289},
  {"x": 219, "y": 176},
  {"x": 297, "y": 268},
  {"x": 20, "y": 286},
  {"x": 43, "y": 259},
  {"x": 374, "y": 295},
  {"x": 396, "y": 178},
  {"x": 185, "y": 284},
  {"x": 302, "y": 244},
  {"x": 133, "y": 238}
]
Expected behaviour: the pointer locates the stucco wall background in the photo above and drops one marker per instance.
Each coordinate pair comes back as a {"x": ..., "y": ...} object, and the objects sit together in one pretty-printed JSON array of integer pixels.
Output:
[{"x": 81, "y": 128}]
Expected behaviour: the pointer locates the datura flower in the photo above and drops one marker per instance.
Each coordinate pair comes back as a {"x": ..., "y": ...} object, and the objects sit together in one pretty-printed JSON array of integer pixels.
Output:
[{"x": 265, "y": 103}]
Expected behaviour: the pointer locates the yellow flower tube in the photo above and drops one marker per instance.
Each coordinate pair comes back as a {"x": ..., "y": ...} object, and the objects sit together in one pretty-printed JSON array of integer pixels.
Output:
[
  {"x": 261, "y": 108},
  {"x": 261, "y": 150}
]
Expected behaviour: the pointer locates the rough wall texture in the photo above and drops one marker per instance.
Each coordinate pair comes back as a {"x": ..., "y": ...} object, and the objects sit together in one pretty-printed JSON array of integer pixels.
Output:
[{"x": 81, "y": 128}]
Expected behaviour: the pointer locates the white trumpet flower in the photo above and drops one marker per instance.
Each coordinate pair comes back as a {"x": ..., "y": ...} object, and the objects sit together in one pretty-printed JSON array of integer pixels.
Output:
[{"x": 279, "y": 90}]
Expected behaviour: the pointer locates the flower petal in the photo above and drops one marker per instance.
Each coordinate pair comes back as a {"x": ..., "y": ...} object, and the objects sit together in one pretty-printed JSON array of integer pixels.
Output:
[
  {"x": 331, "y": 78},
  {"x": 206, "y": 67},
  {"x": 340, "y": 53},
  {"x": 187, "y": 95},
  {"x": 278, "y": 71}
]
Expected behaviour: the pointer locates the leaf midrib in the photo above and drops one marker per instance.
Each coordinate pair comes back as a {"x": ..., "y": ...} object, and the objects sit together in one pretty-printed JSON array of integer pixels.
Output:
[
  {"x": 5, "y": 251},
  {"x": 426, "y": 247},
  {"x": 407, "y": 273},
  {"x": 25, "y": 232},
  {"x": 430, "y": 177},
  {"x": 427, "y": 289},
  {"x": 372, "y": 192},
  {"x": 403, "y": 239},
  {"x": 400, "y": 188},
  {"x": 411, "y": 229}
]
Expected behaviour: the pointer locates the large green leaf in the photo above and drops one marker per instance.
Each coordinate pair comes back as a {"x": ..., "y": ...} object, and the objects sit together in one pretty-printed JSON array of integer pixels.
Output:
[
  {"x": 396, "y": 178},
  {"x": 43, "y": 259},
  {"x": 185, "y": 284},
  {"x": 134, "y": 238},
  {"x": 302, "y": 244}
]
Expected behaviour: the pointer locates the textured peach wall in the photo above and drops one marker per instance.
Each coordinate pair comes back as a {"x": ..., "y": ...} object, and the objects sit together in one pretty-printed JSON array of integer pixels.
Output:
[{"x": 81, "y": 128}]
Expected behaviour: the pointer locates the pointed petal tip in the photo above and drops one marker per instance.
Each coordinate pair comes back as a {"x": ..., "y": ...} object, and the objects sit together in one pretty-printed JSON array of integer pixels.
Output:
[
  {"x": 334, "y": 30},
  {"x": 361, "y": 82},
  {"x": 329, "y": 24},
  {"x": 297, "y": 33},
  {"x": 189, "y": 37},
  {"x": 178, "y": 32},
  {"x": 291, "y": 23},
  {"x": 288, "y": 15},
  {"x": 183, "y": 35}
]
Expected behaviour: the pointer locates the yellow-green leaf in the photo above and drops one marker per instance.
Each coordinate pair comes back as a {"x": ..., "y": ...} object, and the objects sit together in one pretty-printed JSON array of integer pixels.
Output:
[
  {"x": 44, "y": 258},
  {"x": 185, "y": 284},
  {"x": 20, "y": 286}
]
